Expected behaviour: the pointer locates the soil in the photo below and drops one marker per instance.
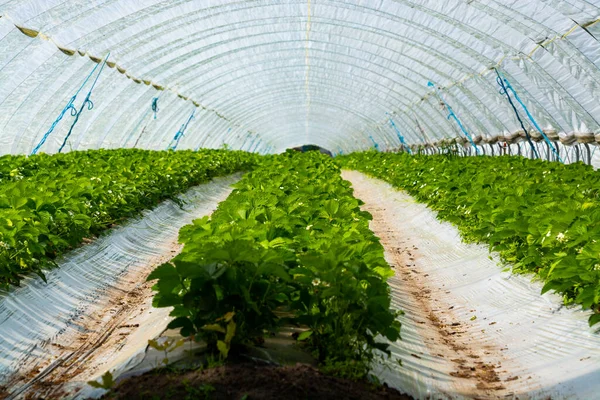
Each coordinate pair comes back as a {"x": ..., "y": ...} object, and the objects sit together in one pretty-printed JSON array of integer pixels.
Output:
[
  {"x": 473, "y": 365},
  {"x": 103, "y": 335},
  {"x": 102, "y": 332},
  {"x": 249, "y": 381}
]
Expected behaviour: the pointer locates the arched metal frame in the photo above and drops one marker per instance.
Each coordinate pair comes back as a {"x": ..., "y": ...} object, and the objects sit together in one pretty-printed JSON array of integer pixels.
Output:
[{"x": 326, "y": 72}]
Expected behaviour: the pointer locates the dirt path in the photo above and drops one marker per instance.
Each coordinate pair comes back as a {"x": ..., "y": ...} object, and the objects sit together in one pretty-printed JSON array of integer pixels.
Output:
[
  {"x": 472, "y": 329},
  {"x": 95, "y": 314},
  {"x": 464, "y": 363}
]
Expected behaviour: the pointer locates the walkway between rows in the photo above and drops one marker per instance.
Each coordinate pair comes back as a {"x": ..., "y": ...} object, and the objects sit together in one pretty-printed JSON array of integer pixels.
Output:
[
  {"x": 472, "y": 330},
  {"x": 95, "y": 313}
]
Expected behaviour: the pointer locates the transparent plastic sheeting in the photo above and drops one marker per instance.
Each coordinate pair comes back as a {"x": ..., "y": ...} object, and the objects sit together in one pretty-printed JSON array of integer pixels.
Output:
[
  {"x": 549, "y": 348},
  {"x": 264, "y": 75},
  {"x": 35, "y": 314}
]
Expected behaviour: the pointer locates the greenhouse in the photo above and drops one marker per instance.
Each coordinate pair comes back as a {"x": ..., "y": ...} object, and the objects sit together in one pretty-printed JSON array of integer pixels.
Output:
[{"x": 300, "y": 199}]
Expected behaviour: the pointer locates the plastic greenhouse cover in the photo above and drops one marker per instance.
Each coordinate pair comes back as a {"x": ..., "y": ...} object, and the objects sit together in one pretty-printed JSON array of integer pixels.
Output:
[
  {"x": 37, "y": 317},
  {"x": 265, "y": 75},
  {"x": 540, "y": 348}
]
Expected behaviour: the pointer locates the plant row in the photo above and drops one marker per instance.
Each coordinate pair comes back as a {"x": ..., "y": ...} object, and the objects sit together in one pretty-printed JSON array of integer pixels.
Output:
[
  {"x": 542, "y": 217},
  {"x": 49, "y": 204},
  {"x": 290, "y": 245}
]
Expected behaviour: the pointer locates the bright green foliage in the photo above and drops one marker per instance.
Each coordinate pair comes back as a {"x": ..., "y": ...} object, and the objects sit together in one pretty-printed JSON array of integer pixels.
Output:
[
  {"x": 49, "y": 204},
  {"x": 290, "y": 244},
  {"x": 542, "y": 217},
  {"x": 107, "y": 382}
]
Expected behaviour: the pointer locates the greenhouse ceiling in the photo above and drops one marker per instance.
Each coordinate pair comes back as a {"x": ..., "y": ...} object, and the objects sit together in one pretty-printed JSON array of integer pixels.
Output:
[{"x": 268, "y": 75}]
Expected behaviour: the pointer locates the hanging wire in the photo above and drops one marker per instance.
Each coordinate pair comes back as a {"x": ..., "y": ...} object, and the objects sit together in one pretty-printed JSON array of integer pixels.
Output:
[
  {"x": 256, "y": 147},
  {"x": 548, "y": 142},
  {"x": 400, "y": 137},
  {"x": 136, "y": 127},
  {"x": 153, "y": 108},
  {"x": 375, "y": 145},
  {"x": 245, "y": 140},
  {"x": 155, "y": 105},
  {"x": 69, "y": 106},
  {"x": 503, "y": 91},
  {"x": 175, "y": 142},
  {"x": 252, "y": 143},
  {"x": 452, "y": 115},
  {"x": 87, "y": 102}
]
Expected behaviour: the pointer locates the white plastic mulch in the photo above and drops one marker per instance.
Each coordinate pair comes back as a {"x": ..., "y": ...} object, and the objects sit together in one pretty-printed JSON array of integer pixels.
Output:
[
  {"x": 465, "y": 314},
  {"x": 46, "y": 327}
]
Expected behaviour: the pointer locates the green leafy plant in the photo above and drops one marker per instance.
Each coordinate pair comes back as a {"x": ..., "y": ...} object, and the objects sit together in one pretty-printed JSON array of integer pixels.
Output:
[
  {"x": 542, "y": 218},
  {"x": 107, "y": 382},
  {"x": 166, "y": 346},
  {"x": 50, "y": 204},
  {"x": 225, "y": 327},
  {"x": 289, "y": 245}
]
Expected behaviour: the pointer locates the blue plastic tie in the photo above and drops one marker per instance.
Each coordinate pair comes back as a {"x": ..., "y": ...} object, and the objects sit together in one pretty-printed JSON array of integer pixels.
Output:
[
  {"x": 509, "y": 87},
  {"x": 452, "y": 115},
  {"x": 175, "y": 142},
  {"x": 87, "y": 102},
  {"x": 69, "y": 106},
  {"x": 400, "y": 137},
  {"x": 375, "y": 145},
  {"x": 155, "y": 106}
]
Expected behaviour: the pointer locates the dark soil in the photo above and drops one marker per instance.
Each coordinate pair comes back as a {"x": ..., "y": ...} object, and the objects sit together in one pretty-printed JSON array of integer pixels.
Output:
[{"x": 249, "y": 381}]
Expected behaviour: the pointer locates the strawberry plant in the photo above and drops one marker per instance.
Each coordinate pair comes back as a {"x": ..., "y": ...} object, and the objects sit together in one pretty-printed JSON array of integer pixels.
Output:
[
  {"x": 542, "y": 217},
  {"x": 289, "y": 245},
  {"x": 49, "y": 204}
]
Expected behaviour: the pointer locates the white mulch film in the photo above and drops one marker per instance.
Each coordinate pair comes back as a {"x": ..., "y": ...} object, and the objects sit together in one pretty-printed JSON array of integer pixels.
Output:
[
  {"x": 36, "y": 313},
  {"x": 535, "y": 347},
  {"x": 541, "y": 348}
]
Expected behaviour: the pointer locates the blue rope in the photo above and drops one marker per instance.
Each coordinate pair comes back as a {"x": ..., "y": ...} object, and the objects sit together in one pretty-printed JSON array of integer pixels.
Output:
[
  {"x": 245, "y": 140},
  {"x": 252, "y": 143},
  {"x": 155, "y": 106},
  {"x": 509, "y": 87},
  {"x": 180, "y": 132},
  {"x": 400, "y": 137},
  {"x": 503, "y": 91},
  {"x": 228, "y": 130},
  {"x": 256, "y": 147},
  {"x": 69, "y": 106},
  {"x": 87, "y": 101},
  {"x": 137, "y": 126},
  {"x": 452, "y": 115},
  {"x": 375, "y": 145}
]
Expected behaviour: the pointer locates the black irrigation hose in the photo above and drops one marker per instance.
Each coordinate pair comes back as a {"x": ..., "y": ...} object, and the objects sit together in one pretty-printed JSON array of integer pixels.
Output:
[{"x": 503, "y": 91}]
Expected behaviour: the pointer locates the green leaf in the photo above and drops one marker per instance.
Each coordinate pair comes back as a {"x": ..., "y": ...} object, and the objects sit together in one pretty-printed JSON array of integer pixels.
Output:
[
  {"x": 594, "y": 319},
  {"x": 107, "y": 382},
  {"x": 223, "y": 348},
  {"x": 304, "y": 335},
  {"x": 164, "y": 271},
  {"x": 187, "y": 327},
  {"x": 214, "y": 328}
]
